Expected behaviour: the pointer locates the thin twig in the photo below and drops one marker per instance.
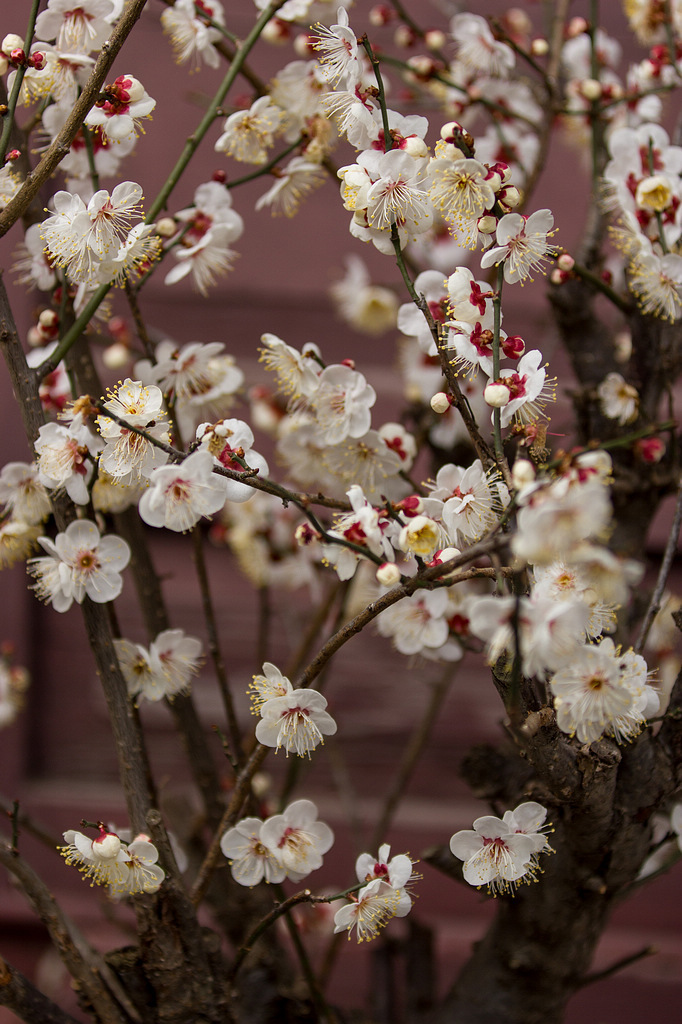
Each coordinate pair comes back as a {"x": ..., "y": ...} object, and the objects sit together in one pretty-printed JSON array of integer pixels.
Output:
[
  {"x": 619, "y": 965},
  {"x": 664, "y": 572}
]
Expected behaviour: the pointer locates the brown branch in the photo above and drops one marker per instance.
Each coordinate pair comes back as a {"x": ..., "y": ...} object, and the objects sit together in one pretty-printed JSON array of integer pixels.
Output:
[
  {"x": 83, "y": 963},
  {"x": 28, "y": 1002}
]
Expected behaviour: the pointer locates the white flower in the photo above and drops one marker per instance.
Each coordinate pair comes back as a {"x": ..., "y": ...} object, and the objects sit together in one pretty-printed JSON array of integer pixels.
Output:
[
  {"x": 191, "y": 37},
  {"x": 118, "y": 116},
  {"x": 374, "y": 907},
  {"x": 462, "y": 193},
  {"x": 417, "y": 623},
  {"x": 22, "y": 493},
  {"x": 494, "y": 854},
  {"x": 268, "y": 685},
  {"x": 298, "y": 839},
  {"x": 338, "y": 48},
  {"x": 101, "y": 859},
  {"x": 521, "y": 244},
  {"x": 367, "y": 307},
  {"x": 224, "y": 440},
  {"x": 79, "y": 28},
  {"x": 469, "y": 501},
  {"x": 162, "y": 671},
  {"x": 65, "y": 459},
  {"x": 296, "y": 721},
  {"x": 248, "y": 134},
  {"x": 250, "y": 860},
  {"x": 180, "y": 494},
  {"x": 529, "y": 389},
  {"x": 144, "y": 874},
  {"x": 127, "y": 456},
  {"x": 602, "y": 691},
  {"x": 398, "y": 193},
  {"x": 398, "y": 872},
  {"x": 297, "y": 372},
  {"x": 79, "y": 563},
  {"x": 657, "y": 283},
  {"x": 342, "y": 404},
  {"x": 550, "y": 632},
  {"x": 618, "y": 399},
  {"x": 292, "y": 185},
  {"x": 477, "y": 49}
]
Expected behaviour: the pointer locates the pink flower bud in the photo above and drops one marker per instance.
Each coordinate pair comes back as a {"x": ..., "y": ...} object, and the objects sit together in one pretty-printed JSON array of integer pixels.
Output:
[
  {"x": 650, "y": 449},
  {"x": 37, "y": 60},
  {"x": 404, "y": 36},
  {"x": 576, "y": 27},
  {"x": 304, "y": 534},
  {"x": 565, "y": 262},
  {"x": 17, "y": 56}
]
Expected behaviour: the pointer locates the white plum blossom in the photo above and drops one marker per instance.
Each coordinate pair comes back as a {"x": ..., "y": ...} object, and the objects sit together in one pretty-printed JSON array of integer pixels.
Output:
[
  {"x": 296, "y": 721},
  {"x": 367, "y": 307},
  {"x": 224, "y": 440},
  {"x": 618, "y": 399},
  {"x": 338, "y": 51},
  {"x": 363, "y": 526},
  {"x": 250, "y": 860},
  {"x": 498, "y": 853},
  {"x": 191, "y": 36},
  {"x": 270, "y": 684},
  {"x": 76, "y": 28},
  {"x": 210, "y": 227},
  {"x": 603, "y": 691},
  {"x": 370, "y": 911},
  {"x": 477, "y": 49},
  {"x": 521, "y": 244},
  {"x": 342, "y": 403},
  {"x": 550, "y": 632},
  {"x": 180, "y": 494},
  {"x": 398, "y": 872},
  {"x": 298, "y": 179},
  {"x": 297, "y": 372},
  {"x": 419, "y": 623},
  {"x": 22, "y": 493},
  {"x": 118, "y": 116},
  {"x": 126, "y": 868},
  {"x": 127, "y": 456},
  {"x": 249, "y": 134},
  {"x": 467, "y": 500},
  {"x": 165, "y": 669},
  {"x": 79, "y": 563},
  {"x": 298, "y": 839}
]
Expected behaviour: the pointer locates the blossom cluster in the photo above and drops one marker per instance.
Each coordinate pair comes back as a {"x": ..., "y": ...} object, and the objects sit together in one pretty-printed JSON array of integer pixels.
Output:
[{"x": 125, "y": 868}]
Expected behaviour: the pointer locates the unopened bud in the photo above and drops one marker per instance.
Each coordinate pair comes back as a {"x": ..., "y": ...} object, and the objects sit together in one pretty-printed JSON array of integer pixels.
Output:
[
  {"x": 11, "y": 42},
  {"x": 4, "y": 68},
  {"x": 303, "y": 45},
  {"x": 350, "y": 363},
  {"x": 415, "y": 147},
  {"x": 565, "y": 262},
  {"x": 13, "y": 154},
  {"x": 539, "y": 47},
  {"x": 381, "y": 15},
  {"x": 277, "y": 32},
  {"x": 107, "y": 845},
  {"x": 388, "y": 574},
  {"x": 576, "y": 27},
  {"x": 17, "y": 56},
  {"x": 435, "y": 39},
  {"x": 522, "y": 474},
  {"x": 509, "y": 196},
  {"x": 496, "y": 395},
  {"x": 35, "y": 337},
  {"x": 166, "y": 227},
  {"x": 37, "y": 60},
  {"x": 487, "y": 224},
  {"x": 116, "y": 356},
  {"x": 404, "y": 36},
  {"x": 591, "y": 89},
  {"x": 48, "y": 319},
  {"x": 440, "y": 403},
  {"x": 650, "y": 449}
]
